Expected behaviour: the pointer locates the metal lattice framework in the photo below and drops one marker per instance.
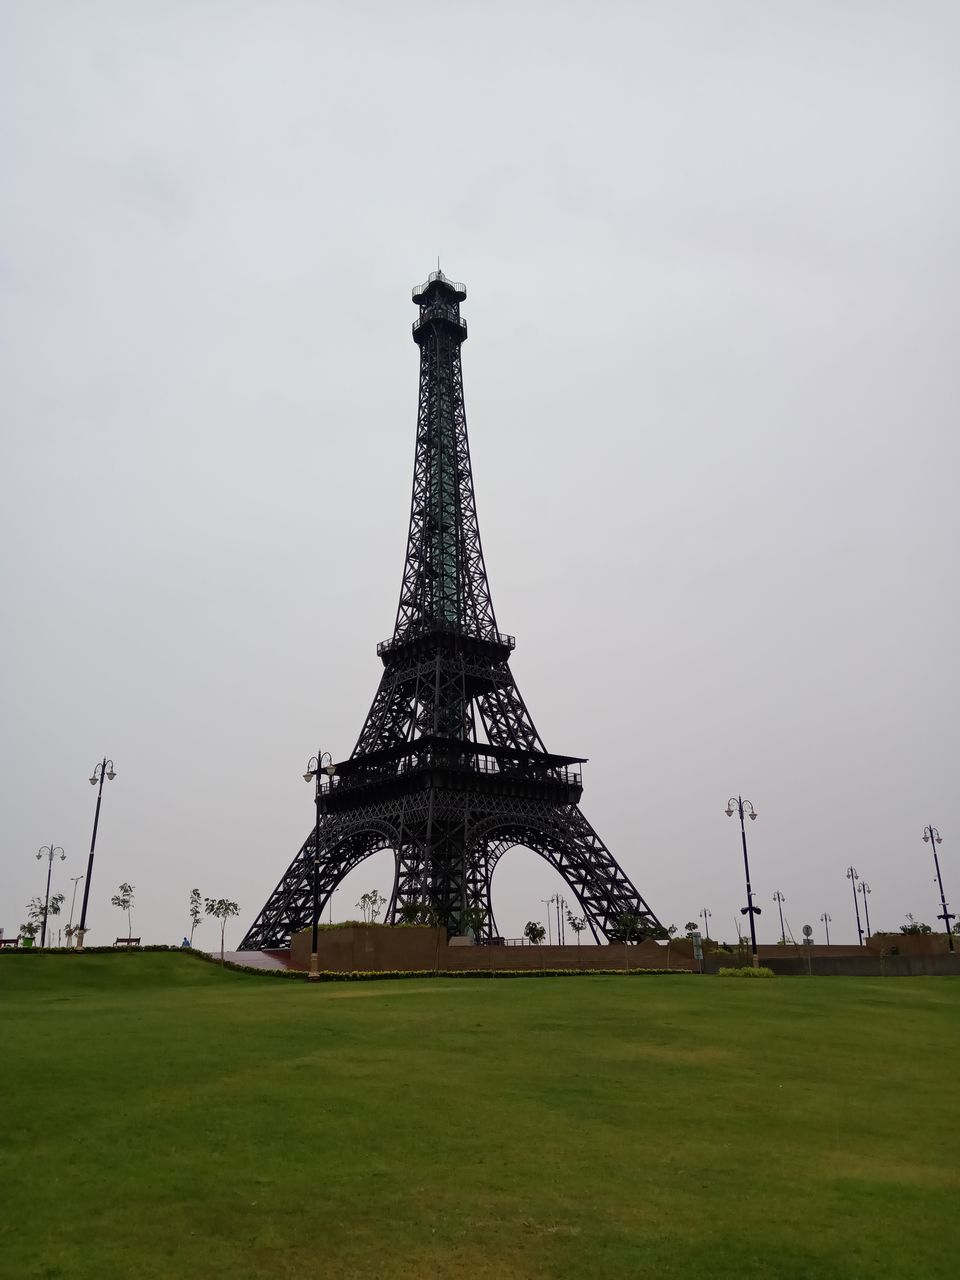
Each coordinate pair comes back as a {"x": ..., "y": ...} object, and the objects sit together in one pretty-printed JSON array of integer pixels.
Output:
[{"x": 449, "y": 770}]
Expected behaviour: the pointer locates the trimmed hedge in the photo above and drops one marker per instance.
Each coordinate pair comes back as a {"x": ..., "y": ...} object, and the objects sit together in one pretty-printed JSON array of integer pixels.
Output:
[{"x": 747, "y": 972}]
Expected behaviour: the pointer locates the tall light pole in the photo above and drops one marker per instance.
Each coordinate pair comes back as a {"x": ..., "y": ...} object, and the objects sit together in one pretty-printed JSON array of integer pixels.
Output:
[
  {"x": 705, "y": 915},
  {"x": 547, "y": 902},
  {"x": 73, "y": 903},
  {"x": 826, "y": 924},
  {"x": 49, "y": 851},
  {"x": 103, "y": 770},
  {"x": 779, "y": 899},
  {"x": 736, "y": 804},
  {"x": 932, "y": 835},
  {"x": 853, "y": 878},
  {"x": 560, "y": 903},
  {"x": 864, "y": 890},
  {"x": 321, "y": 763}
]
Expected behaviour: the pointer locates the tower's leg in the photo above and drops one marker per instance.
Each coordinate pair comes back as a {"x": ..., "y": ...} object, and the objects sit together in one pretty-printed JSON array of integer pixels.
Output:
[
  {"x": 565, "y": 839},
  {"x": 290, "y": 907}
]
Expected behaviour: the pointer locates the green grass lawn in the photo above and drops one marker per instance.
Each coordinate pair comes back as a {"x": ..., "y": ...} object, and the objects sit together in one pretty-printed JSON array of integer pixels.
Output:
[{"x": 163, "y": 1118}]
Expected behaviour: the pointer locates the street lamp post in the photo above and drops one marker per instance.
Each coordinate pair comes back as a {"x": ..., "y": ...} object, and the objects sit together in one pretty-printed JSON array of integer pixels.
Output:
[
  {"x": 73, "y": 902},
  {"x": 779, "y": 899},
  {"x": 736, "y": 804},
  {"x": 319, "y": 764},
  {"x": 932, "y": 835},
  {"x": 705, "y": 915},
  {"x": 49, "y": 851},
  {"x": 548, "y": 902},
  {"x": 853, "y": 878},
  {"x": 826, "y": 924},
  {"x": 103, "y": 770},
  {"x": 864, "y": 890}
]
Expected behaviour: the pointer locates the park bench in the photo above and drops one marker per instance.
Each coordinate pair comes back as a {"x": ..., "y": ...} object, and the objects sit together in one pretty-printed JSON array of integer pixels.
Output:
[
  {"x": 9, "y": 942},
  {"x": 127, "y": 942}
]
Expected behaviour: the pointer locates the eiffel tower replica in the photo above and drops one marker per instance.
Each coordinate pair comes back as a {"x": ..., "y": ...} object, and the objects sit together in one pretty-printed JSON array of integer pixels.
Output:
[{"x": 449, "y": 770}]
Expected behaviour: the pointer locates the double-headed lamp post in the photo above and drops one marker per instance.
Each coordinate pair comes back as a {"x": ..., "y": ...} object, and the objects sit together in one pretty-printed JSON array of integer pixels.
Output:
[
  {"x": 853, "y": 878},
  {"x": 779, "y": 899},
  {"x": 49, "y": 851},
  {"x": 826, "y": 924},
  {"x": 864, "y": 890},
  {"x": 75, "y": 880},
  {"x": 736, "y": 804},
  {"x": 320, "y": 764},
  {"x": 932, "y": 836},
  {"x": 705, "y": 915},
  {"x": 103, "y": 770}
]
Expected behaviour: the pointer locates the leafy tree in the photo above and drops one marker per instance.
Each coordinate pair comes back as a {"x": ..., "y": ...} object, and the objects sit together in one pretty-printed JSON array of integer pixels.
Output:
[
  {"x": 472, "y": 918},
  {"x": 534, "y": 932},
  {"x": 195, "y": 912},
  {"x": 371, "y": 904},
  {"x": 37, "y": 913},
  {"x": 914, "y": 926},
  {"x": 418, "y": 913},
  {"x": 124, "y": 901},
  {"x": 690, "y": 928},
  {"x": 221, "y": 909},
  {"x": 577, "y": 924},
  {"x": 628, "y": 927},
  {"x": 670, "y": 931}
]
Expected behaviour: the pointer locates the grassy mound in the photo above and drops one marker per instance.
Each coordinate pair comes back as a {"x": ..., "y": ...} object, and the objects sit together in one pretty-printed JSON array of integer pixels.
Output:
[{"x": 165, "y": 1118}]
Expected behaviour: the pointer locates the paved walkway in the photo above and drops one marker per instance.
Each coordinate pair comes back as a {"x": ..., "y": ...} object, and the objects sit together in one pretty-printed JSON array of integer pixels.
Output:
[{"x": 257, "y": 959}]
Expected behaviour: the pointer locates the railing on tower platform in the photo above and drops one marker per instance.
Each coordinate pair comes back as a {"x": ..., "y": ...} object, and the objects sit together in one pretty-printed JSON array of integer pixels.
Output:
[
  {"x": 452, "y": 761},
  {"x": 440, "y": 311},
  {"x": 437, "y": 277},
  {"x": 490, "y": 637}
]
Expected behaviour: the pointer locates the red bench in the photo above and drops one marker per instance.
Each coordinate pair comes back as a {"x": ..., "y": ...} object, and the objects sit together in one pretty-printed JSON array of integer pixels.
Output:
[
  {"x": 127, "y": 942},
  {"x": 9, "y": 942}
]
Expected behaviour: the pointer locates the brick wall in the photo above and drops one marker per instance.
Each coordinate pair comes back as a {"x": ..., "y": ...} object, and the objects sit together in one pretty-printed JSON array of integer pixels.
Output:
[{"x": 376, "y": 947}]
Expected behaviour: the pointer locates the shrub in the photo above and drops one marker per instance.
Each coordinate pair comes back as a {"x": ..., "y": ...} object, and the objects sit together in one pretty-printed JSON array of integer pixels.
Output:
[{"x": 747, "y": 971}]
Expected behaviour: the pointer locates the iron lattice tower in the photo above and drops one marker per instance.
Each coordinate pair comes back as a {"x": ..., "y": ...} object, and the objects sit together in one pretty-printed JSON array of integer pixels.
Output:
[{"x": 449, "y": 770}]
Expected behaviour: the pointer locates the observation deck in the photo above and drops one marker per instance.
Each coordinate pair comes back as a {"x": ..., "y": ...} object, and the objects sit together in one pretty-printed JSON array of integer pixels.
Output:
[
  {"x": 448, "y": 638},
  {"x": 433, "y": 761},
  {"x": 439, "y": 283},
  {"x": 439, "y": 302}
]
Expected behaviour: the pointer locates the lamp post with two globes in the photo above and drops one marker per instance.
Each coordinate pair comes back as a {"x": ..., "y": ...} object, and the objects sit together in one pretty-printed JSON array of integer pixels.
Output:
[
  {"x": 864, "y": 890},
  {"x": 49, "y": 851},
  {"x": 779, "y": 899},
  {"x": 826, "y": 924},
  {"x": 932, "y": 835},
  {"x": 705, "y": 915},
  {"x": 103, "y": 770},
  {"x": 736, "y": 804},
  {"x": 853, "y": 878},
  {"x": 321, "y": 763}
]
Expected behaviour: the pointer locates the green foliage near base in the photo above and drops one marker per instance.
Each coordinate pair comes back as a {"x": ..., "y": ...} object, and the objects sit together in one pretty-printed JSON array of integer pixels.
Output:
[
  {"x": 166, "y": 1118},
  {"x": 747, "y": 971}
]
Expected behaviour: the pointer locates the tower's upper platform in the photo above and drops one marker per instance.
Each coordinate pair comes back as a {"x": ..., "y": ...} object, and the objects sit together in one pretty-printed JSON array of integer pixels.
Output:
[
  {"x": 438, "y": 286},
  {"x": 439, "y": 302}
]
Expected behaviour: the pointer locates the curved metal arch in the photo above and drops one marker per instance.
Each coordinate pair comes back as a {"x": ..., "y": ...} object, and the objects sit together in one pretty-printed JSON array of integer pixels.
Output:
[
  {"x": 567, "y": 841},
  {"x": 504, "y": 845},
  {"x": 341, "y": 848}
]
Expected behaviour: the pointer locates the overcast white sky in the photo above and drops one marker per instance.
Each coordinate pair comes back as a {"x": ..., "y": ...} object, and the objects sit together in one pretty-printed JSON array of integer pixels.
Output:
[{"x": 711, "y": 253}]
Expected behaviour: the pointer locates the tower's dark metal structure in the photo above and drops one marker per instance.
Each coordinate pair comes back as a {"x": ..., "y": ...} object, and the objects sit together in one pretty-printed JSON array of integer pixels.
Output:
[{"x": 449, "y": 770}]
